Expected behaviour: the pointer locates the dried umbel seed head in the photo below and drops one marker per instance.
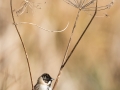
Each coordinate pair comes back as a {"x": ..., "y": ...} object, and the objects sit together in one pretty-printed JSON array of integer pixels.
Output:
[
  {"x": 80, "y": 4},
  {"x": 27, "y": 4},
  {"x": 89, "y": 5},
  {"x": 83, "y": 4}
]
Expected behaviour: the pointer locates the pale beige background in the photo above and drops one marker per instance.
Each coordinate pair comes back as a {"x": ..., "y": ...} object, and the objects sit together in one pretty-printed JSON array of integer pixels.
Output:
[{"x": 95, "y": 64}]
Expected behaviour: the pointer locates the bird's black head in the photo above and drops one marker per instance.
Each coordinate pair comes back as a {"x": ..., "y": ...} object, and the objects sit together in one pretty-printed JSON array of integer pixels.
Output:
[{"x": 46, "y": 77}]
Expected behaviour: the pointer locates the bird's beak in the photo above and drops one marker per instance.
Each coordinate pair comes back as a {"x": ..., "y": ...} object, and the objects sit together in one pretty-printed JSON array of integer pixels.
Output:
[{"x": 52, "y": 79}]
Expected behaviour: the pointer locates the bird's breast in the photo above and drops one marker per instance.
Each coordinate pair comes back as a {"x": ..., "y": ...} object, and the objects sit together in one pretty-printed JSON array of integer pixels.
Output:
[{"x": 44, "y": 87}]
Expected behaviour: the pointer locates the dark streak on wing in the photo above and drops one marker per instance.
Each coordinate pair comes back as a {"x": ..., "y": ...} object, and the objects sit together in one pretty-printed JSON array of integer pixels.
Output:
[{"x": 36, "y": 87}]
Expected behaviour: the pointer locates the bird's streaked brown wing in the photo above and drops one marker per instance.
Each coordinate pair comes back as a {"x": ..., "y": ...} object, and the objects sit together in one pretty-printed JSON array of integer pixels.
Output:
[{"x": 36, "y": 87}]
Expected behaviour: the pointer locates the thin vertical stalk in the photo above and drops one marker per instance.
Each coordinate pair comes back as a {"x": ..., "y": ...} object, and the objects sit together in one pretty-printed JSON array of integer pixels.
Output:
[
  {"x": 65, "y": 60},
  {"x": 81, "y": 35},
  {"x": 67, "y": 49},
  {"x": 22, "y": 44}
]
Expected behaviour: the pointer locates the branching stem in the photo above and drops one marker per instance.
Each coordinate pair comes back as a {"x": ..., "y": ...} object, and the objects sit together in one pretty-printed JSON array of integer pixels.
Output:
[
  {"x": 22, "y": 44},
  {"x": 65, "y": 60},
  {"x": 67, "y": 49},
  {"x": 81, "y": 36}
]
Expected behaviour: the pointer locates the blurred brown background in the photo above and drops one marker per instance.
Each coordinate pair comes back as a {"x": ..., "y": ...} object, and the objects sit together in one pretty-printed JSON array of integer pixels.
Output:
[{"x": 95, "y": 64}]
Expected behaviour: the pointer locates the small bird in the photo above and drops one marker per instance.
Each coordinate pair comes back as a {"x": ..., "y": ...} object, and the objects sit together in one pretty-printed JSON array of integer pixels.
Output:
[{"x": 44, "y": 82}]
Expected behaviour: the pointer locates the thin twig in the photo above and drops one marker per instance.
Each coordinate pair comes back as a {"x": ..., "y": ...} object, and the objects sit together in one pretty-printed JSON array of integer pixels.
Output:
[
  {"x": 65, "y": 55},
  {"x": 81, "y": 35},
  {"x": 66, "y": 52},
  {"x": 23, "y": 8},
  {"x": 42, "y": 27},
  {"x": 66, "y": 60},
  {"x": 22, "y": 44}
]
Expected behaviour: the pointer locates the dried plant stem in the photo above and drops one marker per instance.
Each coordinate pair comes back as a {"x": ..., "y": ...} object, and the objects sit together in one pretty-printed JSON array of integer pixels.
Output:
[
  {"x": 81, "y": 36},
  {"x": 65, "y": 55},
  {"x": 43, "y": 28},
  {"x": 67, "y": 49},
  {"x": 22, "y": 44},
  {"x": 65, "y": 60}
]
